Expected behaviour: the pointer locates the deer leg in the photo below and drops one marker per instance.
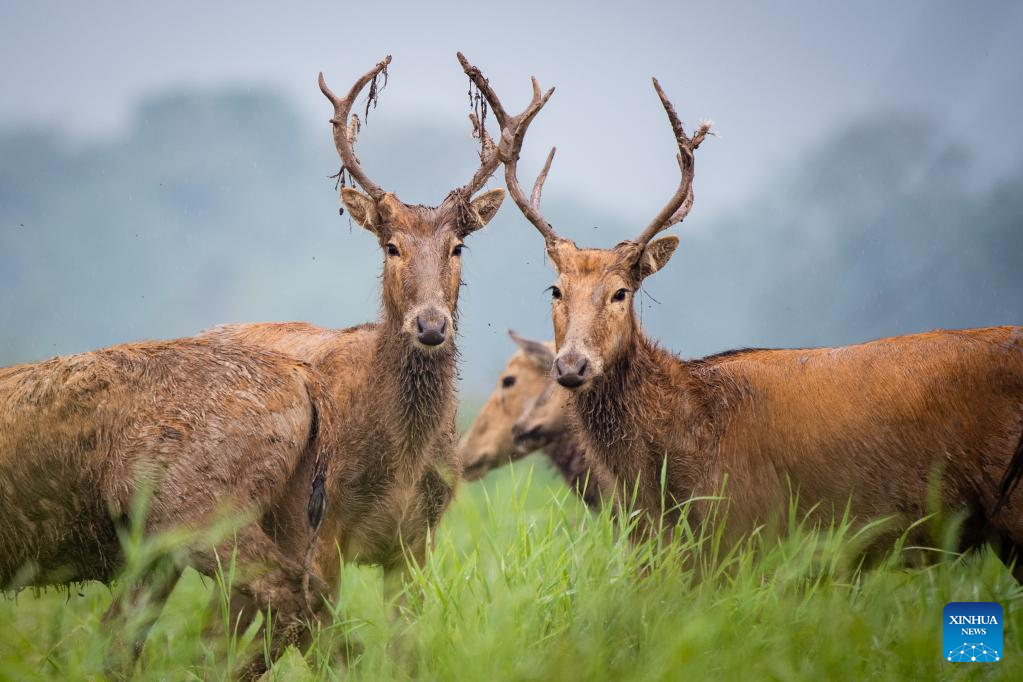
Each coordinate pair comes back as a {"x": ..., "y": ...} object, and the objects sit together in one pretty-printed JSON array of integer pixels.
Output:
[
  {"x": 396, "y": 597},
  {"x": 241, "y": 611},
  {"x": 1011, "y": 556},
  {"x": 1003, "y": 530},
  {"x": 148, "y": 597},
  {"x": 266, "y": 578},
  {"x": 1010, "y": 553}
]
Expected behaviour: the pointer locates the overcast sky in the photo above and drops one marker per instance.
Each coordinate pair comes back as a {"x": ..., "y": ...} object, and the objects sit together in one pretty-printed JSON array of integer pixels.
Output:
[{"x": 775, "y": 77}]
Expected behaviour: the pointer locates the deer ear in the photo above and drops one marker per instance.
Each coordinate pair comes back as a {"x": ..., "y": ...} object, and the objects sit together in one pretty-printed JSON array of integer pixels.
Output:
[
  {"x": 484, "y": 207},
  {"x": 537, "y": 351},
  {"x": 656, "y": 255},
  {"x": 389, "y": 208},
  {"x": 361, "y": 207},
  {"x": 559, "y": 247}
]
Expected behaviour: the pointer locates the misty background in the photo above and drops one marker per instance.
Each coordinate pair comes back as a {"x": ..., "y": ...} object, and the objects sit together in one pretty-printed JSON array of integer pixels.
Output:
[{"x": 164, "y": 168}]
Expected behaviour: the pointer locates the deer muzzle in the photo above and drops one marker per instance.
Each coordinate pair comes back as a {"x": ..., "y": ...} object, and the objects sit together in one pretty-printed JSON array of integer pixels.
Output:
[
  {"x": 570, "y": 369},
  {"x": 432, "y": 327}
]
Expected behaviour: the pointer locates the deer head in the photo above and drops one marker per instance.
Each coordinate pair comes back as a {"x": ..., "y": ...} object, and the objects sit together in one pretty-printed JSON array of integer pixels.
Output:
[
  {"x": 490, "y": 441},
  {"x": 544, "y": 419},
  {"x": 592, "y": 299},
  {"x": 421, "y": 245}
]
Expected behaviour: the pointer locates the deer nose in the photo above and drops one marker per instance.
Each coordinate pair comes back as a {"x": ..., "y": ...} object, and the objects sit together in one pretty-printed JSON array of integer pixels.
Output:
[
  {"x": 431, "y": 327},
  {"x": 571, "y": 370}
]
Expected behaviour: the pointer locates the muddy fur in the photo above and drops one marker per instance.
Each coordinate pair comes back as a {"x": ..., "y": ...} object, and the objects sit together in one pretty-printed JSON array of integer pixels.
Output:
[
  {"x": 393, "y": 468},
  {"x": 204, "y": 428},
  {"x": 394, "y": 464}
]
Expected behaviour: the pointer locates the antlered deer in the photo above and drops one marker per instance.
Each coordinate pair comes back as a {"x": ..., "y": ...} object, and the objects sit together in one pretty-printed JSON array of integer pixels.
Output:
[
  {"x": 527, "y": 412},
  {"x": 201, "y": 429},
  {"x": 395, "y": 465},
  {"x": 870, "y": 425}
]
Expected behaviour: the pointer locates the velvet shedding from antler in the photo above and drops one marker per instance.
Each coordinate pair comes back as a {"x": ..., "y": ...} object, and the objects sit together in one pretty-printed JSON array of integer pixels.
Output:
[
  {"x": 345, "y": 130},
  {"x": 513, "y": 132}
]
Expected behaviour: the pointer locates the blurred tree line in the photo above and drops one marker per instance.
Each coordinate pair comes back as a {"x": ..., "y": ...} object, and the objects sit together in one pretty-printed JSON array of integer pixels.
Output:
[{"x": 216, "y": 206}]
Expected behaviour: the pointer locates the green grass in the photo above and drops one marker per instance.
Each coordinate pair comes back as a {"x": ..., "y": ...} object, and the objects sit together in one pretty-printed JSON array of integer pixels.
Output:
[{"x": 525, "y": 584}]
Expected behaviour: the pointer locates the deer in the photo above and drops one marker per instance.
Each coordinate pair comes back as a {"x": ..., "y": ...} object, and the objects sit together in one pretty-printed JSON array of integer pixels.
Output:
[
  {"x": 169, "y": 435},
  {"x": 867, "y": 428},
  {"x": 527, "y": 413},
  {"x": 395, "y": 466}
]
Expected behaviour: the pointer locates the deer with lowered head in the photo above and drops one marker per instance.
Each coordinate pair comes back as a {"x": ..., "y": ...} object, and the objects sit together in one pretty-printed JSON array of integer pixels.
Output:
[
  {"x": 526, "y": 413},
  {"x": 396, "y": 463},
  {"x": 871, "y": 425}
]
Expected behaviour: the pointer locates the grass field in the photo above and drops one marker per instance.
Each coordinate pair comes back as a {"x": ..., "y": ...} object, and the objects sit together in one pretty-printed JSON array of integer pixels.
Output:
[{"x": 525, "y": 584}]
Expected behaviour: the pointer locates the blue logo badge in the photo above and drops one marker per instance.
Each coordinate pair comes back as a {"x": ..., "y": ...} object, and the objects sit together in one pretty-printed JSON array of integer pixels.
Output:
[{"x": 972, "y": 632}]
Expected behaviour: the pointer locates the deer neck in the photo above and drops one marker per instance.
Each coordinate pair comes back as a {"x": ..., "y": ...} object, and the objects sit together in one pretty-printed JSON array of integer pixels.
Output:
[
  {"x": 635, "y": 405},
  {"x": 414, "y": 388}
]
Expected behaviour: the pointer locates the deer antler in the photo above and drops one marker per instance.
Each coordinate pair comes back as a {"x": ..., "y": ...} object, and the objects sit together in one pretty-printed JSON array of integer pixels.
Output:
[
  {"x": 513, "y": 132},
  {"x": 345, "y": 132},
  {"x": 676, "y": 210}
]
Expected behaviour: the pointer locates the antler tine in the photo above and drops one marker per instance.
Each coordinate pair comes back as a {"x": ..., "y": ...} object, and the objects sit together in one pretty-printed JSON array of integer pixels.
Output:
[
  {"x": 676, "y": 210},
  {"x": 483, "y": 85},
  {"x": 534, "y": 198},
  {"x": 512, "y": 136},
  {"x": 513, "y": 131},
  {"x": 344, "y": 135},
  {"x": 489, "y": 158}
]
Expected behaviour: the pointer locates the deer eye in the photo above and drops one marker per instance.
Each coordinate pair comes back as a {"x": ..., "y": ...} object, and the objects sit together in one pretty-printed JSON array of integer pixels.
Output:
[
  {"x": 620, "y": 295},
  {"x": 508, "y": 382},
  {"x": 555, "y": 292},
  {"x": 392, "y": 250},
  {"x": 457, "y": 251}
]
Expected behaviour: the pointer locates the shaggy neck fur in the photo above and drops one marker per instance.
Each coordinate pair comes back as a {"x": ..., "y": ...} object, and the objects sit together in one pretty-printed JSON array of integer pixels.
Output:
[
  {"x": 646, "y": 404},
  {"x": 416, "y": 386},
  {"x": 625, "y": 401}
]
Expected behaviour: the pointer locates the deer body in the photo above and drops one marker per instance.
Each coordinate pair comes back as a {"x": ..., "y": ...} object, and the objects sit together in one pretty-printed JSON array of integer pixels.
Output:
[
  {"x": 873, "y": 425},
  {"x": 566, "y": 452},
  {"x": 199, "y": 428}
]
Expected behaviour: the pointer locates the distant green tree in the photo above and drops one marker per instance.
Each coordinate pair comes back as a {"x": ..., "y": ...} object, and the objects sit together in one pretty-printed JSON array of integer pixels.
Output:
[{"x": 216, "y": 207}]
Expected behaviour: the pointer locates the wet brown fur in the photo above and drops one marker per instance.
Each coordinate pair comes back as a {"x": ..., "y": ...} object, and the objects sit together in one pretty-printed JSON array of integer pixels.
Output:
[{"x": 204, "y": 428}]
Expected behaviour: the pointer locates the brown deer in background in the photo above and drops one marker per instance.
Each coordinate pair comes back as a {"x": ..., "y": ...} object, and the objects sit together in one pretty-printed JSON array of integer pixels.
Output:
[
  {"x": 395, "y": 465},
  {"x": 201, "y": 429},
  {"x": 526, "y": 413},
  {"x": 868, "y": 425}
]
